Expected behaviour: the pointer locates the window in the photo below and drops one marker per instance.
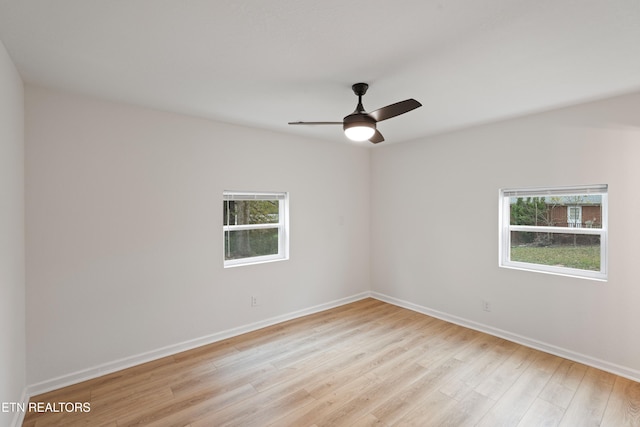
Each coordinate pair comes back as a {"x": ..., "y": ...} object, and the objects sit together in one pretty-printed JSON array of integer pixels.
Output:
[
  {"x": 555, "y": 230},
  {"x": 255, "y": 227}
]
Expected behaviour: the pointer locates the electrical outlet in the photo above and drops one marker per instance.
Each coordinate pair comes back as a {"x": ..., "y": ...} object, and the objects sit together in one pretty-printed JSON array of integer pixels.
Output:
[
  {"x": 486, "y": 305},
  {"x": 254, "y": 300}
]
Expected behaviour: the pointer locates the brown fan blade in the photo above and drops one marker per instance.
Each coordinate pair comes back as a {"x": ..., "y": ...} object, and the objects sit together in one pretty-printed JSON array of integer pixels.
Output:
[
  {"x": 377, "y": 137},
  {"x": 315, "y": 123},
  {"x": 396, "y": 109}
]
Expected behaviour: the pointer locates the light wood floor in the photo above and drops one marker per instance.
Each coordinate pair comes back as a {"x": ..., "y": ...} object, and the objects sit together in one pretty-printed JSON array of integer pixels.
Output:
[{"x": 363, "y": 364}]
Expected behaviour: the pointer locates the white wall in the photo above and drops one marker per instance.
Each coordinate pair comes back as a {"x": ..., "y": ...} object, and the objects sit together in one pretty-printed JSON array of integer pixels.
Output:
[
  {"x": 435, "y": 227},
  {"x": 12, "y": 259},
  {"x": 124, "y": 247},
  {"x": 124, "y": 229}
]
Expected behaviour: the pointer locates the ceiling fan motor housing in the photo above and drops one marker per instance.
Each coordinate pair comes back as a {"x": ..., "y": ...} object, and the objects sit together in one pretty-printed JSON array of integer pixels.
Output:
[{"x": 358, "y": 119}]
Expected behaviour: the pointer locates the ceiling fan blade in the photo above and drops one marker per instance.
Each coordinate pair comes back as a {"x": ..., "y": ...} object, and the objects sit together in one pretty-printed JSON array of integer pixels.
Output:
[
  {"x": 315, "y": 123},
  {"x": 396, "y": 109},
  {"x": 377, "y": 137}
]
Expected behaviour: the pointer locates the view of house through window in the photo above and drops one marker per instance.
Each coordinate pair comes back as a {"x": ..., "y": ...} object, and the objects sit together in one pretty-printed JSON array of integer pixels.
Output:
[
  {"x": 555, "y": 230},
  {"x": 254, "y": 227}
]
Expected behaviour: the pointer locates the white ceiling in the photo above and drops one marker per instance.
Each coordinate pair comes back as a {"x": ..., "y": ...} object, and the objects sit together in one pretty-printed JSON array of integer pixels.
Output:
[{"x": 265, "y": 63}]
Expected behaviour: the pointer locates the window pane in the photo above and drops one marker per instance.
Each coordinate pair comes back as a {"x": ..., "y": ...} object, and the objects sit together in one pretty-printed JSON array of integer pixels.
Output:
[
  {"x": 576, "y": 211},
  {"x": 242, "y": 212},
  {"x": 250, "y": 243},
  {"x": 580, "y": 251}
]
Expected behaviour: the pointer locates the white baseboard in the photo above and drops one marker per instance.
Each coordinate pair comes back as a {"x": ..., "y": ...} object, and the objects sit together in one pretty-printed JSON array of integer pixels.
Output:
[
  {"x": 613, "y": 368},
  {"x": 128, "y": 362}
]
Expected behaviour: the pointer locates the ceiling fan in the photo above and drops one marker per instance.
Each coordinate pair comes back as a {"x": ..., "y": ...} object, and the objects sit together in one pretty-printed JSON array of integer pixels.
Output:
[{"x": 360, "y": 125}]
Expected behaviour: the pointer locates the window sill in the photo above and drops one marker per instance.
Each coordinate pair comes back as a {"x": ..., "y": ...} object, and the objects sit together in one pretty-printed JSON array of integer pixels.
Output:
[
  {"x": 252, "y": 261},
  {"x": 578, "y": 274}
]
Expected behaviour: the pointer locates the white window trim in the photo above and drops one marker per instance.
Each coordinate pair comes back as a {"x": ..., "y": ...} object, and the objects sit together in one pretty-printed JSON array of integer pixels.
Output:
[
  {"x": 505, "y": 228},
  {"x": 282, "y": 225}
]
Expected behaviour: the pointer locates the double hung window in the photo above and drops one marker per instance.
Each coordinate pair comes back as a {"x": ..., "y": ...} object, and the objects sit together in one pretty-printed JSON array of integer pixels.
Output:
[
  {"x": 255, "y": 227},
  {"x": 555, "y": 230}
]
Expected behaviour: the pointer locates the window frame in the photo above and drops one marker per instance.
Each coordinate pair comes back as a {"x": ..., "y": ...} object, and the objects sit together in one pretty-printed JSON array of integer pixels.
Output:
[
  {"x": 282, "y": 226},
  {"x": 505, "y": 229}
]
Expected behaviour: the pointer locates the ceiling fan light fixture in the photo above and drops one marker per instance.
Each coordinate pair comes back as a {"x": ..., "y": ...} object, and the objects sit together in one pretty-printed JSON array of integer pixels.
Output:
[
  {"x": 359, "y": 131},
  {"x": 359, "y": 127}
]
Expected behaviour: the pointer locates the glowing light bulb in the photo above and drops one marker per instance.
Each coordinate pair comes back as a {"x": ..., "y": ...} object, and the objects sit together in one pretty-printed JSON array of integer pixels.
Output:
[{"x": 360, "y": 132}]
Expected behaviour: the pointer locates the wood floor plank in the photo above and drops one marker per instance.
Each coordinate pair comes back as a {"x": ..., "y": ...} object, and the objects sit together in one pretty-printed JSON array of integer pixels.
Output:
[
  {"x": 189, "y": 411},
  {"x": 426, "y": 414},
  {"x": 542, "y": 413},
  {"x": 395, "y": 406},
  {"x": 563, "y": 384},
  {"x": 329, "y": 403},
  {"x": 495, "y": 385},
  {"x": 105, "y": 413},
  {"x": 367, "y": 363},
  {"x": 510, "y": 409},
  {"x": 623, "y": 408},
  {"x": 469, "y": 410},
  {"x": 320, "y": 387},
  {"x": 260, "y": 409},
  {"x": 487, "y": 362},
  {"x": 389, "y": 378},
  {"x": 367, "y": 421},
  {"x": 590, "y": 400}
]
